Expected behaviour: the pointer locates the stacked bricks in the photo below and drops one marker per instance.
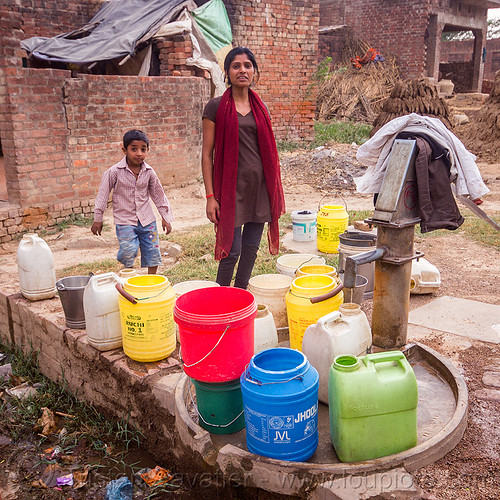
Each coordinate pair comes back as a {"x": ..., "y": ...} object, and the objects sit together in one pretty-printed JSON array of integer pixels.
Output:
[
  {"x": 283, "y": 35},
  {"x": 461, "y": 72},
  {"x": 14, "y": 221},
  {"x": 331, "y": 43},
  {"x": 173, "y": 53}
]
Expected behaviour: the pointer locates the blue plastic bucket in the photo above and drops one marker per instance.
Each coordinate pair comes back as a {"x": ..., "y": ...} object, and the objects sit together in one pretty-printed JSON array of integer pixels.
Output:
[{"x": 280, "y": 399}]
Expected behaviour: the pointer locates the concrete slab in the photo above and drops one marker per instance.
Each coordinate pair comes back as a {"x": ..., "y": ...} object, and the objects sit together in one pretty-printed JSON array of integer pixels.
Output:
[
  {"x": 300, "y": 246},
  {"x": 464, "y": 317}
]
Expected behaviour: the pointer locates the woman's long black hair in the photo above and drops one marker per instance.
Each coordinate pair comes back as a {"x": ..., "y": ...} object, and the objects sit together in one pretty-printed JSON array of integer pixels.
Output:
[{"x": 236, "y": 52}]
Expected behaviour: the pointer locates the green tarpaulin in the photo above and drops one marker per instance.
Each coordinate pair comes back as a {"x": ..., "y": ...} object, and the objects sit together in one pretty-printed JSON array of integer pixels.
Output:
[{"x": 214, "y": 23}]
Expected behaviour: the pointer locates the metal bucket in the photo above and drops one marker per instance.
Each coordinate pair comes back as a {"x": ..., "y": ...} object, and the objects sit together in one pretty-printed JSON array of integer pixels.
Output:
[
  {"x": 353, "y": 243},
  {"x": 358, "y": 292},
  {"x": 70, "y": 292}
]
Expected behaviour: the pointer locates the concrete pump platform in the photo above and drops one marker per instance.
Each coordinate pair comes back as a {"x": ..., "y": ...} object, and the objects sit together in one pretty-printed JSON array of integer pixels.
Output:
[{"x": 155, "y": 397}]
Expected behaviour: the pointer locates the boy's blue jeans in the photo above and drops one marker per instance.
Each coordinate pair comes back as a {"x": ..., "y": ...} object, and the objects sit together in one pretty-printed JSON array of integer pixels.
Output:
[{"x": 131, "y": 238}]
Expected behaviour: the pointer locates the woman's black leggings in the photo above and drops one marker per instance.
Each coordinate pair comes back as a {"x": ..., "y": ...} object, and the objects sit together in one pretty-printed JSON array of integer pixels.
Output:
[{"x": 245, "y": 246}]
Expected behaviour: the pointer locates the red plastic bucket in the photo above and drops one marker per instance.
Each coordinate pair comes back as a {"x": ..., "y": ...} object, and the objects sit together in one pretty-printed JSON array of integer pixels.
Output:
[{"x": 216, "y": 331}]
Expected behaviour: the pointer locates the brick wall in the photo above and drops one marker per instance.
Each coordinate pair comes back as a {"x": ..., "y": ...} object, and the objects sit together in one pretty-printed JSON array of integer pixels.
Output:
[
  {"x": 332, "y": 43},
  {"x": 460, "y": 73},
  {"x": 461, "y": 50},
  {"x": 331, "y": 12},
  {"x": 70, "y": 129},
  {"x": 173, "y": 53},
  {"x": 398, "y": 31},
  {"x": 283, "y": 35}
]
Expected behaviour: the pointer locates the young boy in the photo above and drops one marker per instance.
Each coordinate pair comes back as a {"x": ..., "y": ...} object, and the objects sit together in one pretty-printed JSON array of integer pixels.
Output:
[{"x": 133, "y": 182}]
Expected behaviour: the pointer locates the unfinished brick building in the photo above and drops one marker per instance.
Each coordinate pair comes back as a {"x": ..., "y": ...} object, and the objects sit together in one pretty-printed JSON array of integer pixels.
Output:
[
  {"x": 456, "y": 59},
  {"x": 60, "y": 128},
  {"x": 410, "y": 30}
]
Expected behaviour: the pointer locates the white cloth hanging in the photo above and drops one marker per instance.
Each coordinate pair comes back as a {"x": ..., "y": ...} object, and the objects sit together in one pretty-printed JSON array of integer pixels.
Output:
[{"x": 375, "y": 152}]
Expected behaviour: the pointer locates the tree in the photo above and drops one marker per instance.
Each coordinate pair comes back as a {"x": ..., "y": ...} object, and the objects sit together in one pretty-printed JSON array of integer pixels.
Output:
[
  {"x": 492, "y": 31},
  {"x": 493, "y": 28}
]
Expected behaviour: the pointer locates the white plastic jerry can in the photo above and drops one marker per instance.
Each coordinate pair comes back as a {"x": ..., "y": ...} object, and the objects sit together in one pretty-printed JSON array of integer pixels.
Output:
[
  {"x": 265, "y": 332},
  {"x": 102, "y": 313},
  {"x": 345, "y": 331},
  {"x": 425, "y": 277},
  {"x": 35, "y": 263}
]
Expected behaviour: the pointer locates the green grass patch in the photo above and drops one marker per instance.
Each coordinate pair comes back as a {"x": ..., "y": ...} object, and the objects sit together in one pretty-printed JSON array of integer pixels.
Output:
[
  {"x": 197, "y": 263},
  {"x": 473, "y": 228},
  {"x": 343, "y": 132},
  {"x": 355, "y": 215},
  {"x": 287, "y": 146},
  {"x": 86, "y": 268},
  {"x": 20, "y": 416}
]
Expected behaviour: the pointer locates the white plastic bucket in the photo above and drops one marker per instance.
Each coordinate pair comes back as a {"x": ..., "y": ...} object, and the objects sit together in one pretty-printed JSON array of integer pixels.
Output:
[
  {"x": 270, "y": 289},
  {"x": 287, "y": 264},
  {"x": 187, "y": 286},
  {"x": 35, "y": 263},
  {"x": 102, "y": 312},
  {"x": 304, "y": 225},
  {"x": 425, "y": 277},
  {"x": 265, "y": 333}
]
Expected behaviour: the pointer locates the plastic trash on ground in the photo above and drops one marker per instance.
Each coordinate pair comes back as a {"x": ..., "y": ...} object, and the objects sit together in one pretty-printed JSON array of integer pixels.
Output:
[
  {"x": 119, "y": 489},
  {"x": 156, "y": 476}
]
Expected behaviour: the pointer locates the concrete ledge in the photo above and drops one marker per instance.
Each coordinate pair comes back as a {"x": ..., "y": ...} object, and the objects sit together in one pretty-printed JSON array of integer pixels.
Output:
[
  {"x": 155, "y": 398},
  {"x": 142, "y": 392}
]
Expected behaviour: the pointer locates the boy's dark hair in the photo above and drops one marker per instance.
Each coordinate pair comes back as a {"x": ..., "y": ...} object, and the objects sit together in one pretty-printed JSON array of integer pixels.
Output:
[{"x": 134, "y": 135}]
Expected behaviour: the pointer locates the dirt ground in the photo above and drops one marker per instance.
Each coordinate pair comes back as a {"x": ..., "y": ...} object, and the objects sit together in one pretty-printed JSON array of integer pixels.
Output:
[{"x": 468, "y": 270}]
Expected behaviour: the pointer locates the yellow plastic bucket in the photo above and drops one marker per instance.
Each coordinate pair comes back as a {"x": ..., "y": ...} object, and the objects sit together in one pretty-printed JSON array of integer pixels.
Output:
[
  {"x": 325, "y": 269},
  {"x": 148, "y": 327},
  {"x": 332, "y": 221},
  {"x": 301, "y": 311}
]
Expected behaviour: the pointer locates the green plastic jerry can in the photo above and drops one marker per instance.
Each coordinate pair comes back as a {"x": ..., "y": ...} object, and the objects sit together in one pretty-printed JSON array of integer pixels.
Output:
[{"x": 373, "y": 405}]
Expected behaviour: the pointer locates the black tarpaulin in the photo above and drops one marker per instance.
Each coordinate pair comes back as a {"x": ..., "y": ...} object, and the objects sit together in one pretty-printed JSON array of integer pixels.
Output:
[{"x": 113, "y": 32}]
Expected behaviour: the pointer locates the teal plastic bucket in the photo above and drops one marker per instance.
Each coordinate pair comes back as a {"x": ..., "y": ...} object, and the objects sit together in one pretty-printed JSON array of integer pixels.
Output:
[
  {"x": 220, "y": 406},
  {"x": 280, "y": 398}
]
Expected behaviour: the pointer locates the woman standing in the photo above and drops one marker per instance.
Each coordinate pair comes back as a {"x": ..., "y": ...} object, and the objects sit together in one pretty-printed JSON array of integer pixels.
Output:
[{"x": 241, "y": 171}]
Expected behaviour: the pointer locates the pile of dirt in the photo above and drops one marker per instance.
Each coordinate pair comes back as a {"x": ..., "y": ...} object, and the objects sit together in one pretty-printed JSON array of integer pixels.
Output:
[
  {"x": 353, "y": 94},
  {"x": 413, "y": 96},
  {"x": 482, "y": 134},
  {"x": 328, "y": 168}
]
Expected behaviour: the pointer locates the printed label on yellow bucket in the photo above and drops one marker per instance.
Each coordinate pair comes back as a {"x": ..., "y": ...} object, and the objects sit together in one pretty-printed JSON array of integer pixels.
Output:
[
  {"x": 332, "y": 221},
  {"x": 141, "y": 329},
  {"x": 148, "y": 326},
  {"x": 301, "y": 311}
]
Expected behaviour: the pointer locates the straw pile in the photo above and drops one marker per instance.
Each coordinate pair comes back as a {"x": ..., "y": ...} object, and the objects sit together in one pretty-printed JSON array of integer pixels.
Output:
[
  {"x": 481, "y": 135},
  {"x": 413, "y": 96},
  {"x": 356, "y": 94}
]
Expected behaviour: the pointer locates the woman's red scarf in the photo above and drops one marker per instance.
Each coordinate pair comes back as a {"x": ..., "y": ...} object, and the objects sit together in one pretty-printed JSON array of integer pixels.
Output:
[{"x": 226, "y": 170}]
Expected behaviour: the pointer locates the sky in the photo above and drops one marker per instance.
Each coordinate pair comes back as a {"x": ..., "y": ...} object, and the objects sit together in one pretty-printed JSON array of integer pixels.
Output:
[{"x": 493, "y": 13}]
